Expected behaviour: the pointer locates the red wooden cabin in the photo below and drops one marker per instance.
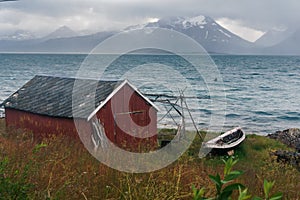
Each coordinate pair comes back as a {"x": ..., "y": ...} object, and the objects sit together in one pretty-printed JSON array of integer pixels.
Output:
[{"x": 120, "y": 113}]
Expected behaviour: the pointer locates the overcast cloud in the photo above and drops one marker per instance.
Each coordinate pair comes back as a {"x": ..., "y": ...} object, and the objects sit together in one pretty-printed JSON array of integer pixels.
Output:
[{"x": 244, "y": 17}]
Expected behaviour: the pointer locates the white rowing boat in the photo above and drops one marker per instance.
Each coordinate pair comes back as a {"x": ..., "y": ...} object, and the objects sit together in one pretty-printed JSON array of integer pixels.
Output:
[{"x": 227, "y": 140}]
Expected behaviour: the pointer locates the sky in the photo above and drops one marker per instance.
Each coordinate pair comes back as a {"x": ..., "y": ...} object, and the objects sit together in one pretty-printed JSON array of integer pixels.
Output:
[{"x": 248, "y": 19}]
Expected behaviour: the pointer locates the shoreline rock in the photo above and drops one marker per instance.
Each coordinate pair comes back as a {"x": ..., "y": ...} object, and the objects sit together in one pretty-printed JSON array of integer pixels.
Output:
[
  {"x": 288, "y": 157},
  {"x": 290, "y": 137}
]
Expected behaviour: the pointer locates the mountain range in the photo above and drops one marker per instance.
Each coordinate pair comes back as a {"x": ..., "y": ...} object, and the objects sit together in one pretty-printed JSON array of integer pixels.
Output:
[{"x": 203, "y": 29}]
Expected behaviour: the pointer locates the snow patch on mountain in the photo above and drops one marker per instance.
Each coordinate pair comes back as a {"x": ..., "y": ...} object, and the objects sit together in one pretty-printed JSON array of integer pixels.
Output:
[
  {"x": 19, "y": 35},
  {"x": 195, "y": 21},
  {"x": 225, "y": 33},
  {"x": 135, "y": 27}
]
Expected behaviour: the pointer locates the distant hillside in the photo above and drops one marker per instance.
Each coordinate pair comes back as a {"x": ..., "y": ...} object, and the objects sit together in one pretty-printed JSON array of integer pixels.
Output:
[
  {"x": 289, "y": 46},
  {"x": 78, "y": 44},
  {"x": 272, "y": 37},
  {"x": 62, "y": 32}
]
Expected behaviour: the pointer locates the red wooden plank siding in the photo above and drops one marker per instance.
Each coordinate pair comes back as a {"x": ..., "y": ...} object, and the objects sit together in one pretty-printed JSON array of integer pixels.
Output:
[
  {"x": 39, "y": 124},
  {"x": 119, "y": 123}
]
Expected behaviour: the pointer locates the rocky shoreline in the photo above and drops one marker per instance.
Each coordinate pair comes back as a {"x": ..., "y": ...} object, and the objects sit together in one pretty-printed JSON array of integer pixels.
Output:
[{"x": 290, "y": 137}]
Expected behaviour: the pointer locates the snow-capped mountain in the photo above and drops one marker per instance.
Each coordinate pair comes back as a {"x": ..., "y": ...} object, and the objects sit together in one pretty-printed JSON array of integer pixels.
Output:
[
  {"x": 203, "y": 29},
  {"x": 19, "y": 35},
  {"x": 61, "y": 32}
]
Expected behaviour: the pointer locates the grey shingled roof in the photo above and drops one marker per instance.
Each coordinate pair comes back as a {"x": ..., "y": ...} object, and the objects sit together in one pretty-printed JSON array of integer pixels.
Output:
[{"x": 53, "y": 96}]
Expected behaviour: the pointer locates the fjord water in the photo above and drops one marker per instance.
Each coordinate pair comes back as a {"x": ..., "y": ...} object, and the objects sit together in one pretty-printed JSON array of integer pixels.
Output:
[{"x": 262, "y": 92}]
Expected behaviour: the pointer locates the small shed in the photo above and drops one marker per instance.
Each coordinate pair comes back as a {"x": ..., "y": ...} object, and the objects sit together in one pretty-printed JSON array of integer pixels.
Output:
[{"x": 121, "y": 113}]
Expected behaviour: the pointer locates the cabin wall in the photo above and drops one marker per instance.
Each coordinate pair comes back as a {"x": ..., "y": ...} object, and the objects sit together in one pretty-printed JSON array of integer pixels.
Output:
[
  {"x": 42, "y": 125},
  {"x": 126, "y": 113}
]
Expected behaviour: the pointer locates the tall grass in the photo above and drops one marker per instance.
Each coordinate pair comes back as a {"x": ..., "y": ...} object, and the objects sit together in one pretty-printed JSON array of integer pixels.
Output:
[{"x": 59, "y": 167}]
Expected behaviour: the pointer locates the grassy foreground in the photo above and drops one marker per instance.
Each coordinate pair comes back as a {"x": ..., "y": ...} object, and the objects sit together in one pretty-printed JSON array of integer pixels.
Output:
[{"x": 61, "y": 168}]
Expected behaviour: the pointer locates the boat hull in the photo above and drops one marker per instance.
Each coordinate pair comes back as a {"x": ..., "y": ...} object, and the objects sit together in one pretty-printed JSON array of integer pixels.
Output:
[{"x": 227, "y": 140}]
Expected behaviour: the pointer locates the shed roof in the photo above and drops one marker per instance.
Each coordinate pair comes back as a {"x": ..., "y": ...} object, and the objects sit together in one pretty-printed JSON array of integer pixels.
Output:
[
  {"x": 52, "y": 96},
  {"x": 55, "y": 96}
]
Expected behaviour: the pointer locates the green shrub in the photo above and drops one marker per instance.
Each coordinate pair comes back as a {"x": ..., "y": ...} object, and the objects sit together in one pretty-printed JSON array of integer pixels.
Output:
[
  {"x": 225, "y": 187},
  {"x": 267, "y": 188},
  {"x": 13, "y": 185}
]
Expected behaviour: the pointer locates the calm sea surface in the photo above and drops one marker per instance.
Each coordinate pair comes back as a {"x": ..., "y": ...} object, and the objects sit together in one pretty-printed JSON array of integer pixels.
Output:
[{"x": 262, "y": 92}]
